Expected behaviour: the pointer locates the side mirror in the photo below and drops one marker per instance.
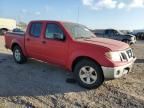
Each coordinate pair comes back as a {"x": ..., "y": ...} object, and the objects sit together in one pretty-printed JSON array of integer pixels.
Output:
[{"x": 59, "y": 36}]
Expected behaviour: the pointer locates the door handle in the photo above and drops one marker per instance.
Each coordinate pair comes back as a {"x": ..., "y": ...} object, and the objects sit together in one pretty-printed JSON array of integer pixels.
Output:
[
  {"x": 44, "y": 42},
  {"x": 28, "y": 39}
]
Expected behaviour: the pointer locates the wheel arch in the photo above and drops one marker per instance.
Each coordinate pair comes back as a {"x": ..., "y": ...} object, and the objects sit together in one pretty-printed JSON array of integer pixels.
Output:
[
  {"x": 15, "y": 42},
  {"x": 78, "y": 59},
  {"x": 13, "y": 45},
  {"x": 23, "y": 58}
]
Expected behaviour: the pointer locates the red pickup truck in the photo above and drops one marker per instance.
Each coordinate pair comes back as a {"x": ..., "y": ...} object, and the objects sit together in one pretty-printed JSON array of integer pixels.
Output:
[{"x": 74, "y": 47}]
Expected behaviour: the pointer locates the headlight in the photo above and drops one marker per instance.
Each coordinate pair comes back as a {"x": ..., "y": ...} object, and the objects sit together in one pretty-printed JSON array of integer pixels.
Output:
[
  {"x": 114, "y": 56},
  {"x": 132, "y": 38}
]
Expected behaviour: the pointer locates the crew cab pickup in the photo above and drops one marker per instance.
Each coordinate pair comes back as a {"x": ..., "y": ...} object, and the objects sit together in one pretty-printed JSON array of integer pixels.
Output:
[
  {"x": 74, "y": 47},
  {"x": 116, "y": 35}
]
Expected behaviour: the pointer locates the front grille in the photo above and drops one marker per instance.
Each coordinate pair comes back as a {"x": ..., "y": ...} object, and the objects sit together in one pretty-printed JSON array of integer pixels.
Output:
[
  {"x": 123, "y": 56},
  {"x": 127, "y": 55}
]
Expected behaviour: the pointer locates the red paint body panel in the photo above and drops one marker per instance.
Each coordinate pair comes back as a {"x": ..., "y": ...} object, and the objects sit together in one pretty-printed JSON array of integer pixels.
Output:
[{"x": 65, "y": 52}]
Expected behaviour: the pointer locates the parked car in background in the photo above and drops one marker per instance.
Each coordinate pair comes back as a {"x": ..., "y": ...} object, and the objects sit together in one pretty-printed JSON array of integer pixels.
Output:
[
  {"x": 116, "y": 35},
  {"x": 140, "y": 36},
  {"x": 74, "y": 47},
  {"x": 6, "y": 25}
]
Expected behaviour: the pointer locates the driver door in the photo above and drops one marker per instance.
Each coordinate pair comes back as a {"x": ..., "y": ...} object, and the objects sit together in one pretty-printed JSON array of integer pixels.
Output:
[{"x": 55, "y": 45}]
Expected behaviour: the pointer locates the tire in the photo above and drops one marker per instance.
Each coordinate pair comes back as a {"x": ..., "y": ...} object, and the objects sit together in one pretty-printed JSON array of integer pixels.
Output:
[
  {"x": 18, "y": 55},
  {"x": 88, "y": 79}
]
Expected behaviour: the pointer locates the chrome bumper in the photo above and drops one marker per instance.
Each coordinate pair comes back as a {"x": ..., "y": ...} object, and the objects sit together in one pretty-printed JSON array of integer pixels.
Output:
[{"x": 117, "y": 72}]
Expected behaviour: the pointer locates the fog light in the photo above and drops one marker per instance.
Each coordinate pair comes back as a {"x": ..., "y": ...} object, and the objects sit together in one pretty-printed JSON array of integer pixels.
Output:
[{"x": 125, "y": 71}]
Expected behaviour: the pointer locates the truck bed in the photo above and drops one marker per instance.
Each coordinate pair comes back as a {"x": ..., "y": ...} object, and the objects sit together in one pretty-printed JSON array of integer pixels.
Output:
[
  {"x": 12, "y": 37},
  {"x": 17, "y": 33}
]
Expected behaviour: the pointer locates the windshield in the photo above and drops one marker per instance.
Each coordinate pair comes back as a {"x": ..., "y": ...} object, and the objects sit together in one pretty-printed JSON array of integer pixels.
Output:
[
  {"x": 120, "y": 32},
  {"x": 78, "y": 31}
]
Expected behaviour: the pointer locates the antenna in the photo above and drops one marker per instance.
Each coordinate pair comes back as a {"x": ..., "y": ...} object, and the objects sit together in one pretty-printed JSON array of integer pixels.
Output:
[{"x": 78, "y": 13}]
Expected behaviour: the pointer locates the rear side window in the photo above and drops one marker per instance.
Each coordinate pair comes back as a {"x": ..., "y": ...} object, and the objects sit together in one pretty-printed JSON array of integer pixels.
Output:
[{"x": 35, "y": 29}]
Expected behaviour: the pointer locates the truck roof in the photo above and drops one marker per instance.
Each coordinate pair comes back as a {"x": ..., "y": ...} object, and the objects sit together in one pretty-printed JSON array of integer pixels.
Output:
[{"x": 52, "y": 21}]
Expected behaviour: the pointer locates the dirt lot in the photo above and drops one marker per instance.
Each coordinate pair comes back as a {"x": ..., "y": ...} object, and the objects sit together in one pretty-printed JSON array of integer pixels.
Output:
[{"x": 42, "y": 85}]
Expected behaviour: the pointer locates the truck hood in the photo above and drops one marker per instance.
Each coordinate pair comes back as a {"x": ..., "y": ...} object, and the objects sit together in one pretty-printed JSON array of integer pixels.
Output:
[{"x": 113, "y": 45}]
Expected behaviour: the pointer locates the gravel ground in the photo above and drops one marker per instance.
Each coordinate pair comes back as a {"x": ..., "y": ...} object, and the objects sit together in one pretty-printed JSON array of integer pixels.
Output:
[{"x": 40, "y": 85}]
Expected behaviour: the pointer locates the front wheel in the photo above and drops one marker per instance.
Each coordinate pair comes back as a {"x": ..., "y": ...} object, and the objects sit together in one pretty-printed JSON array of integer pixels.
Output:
[
  {"x": 18, "y": 55},
  {"x": 88, "y": 74}
]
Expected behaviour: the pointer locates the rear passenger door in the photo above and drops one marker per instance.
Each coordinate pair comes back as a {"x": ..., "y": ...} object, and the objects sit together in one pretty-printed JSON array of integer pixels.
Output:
[{"x": 33, "y": 40}]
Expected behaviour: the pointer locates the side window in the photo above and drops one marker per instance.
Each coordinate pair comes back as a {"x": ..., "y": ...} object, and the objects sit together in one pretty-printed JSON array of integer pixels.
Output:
[
  {"x": 108, "y": 32},
  {"x": 35, "y": 29},
  {"x": 54, "y": 31},
  {"x": 114, "y": 33}
]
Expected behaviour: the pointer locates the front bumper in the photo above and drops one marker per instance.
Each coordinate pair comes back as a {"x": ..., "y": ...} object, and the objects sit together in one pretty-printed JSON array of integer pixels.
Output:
[{"x": 117, "y": 72}]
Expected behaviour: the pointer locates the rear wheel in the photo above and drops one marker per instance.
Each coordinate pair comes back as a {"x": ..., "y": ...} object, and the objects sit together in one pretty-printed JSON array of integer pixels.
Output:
[
  {"x": 88, "y": 74},
  {"x": 18, "y": 55}
]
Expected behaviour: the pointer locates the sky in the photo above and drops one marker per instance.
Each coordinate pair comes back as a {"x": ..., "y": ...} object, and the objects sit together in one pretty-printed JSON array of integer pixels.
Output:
[{"x": 96, "y": 14}]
